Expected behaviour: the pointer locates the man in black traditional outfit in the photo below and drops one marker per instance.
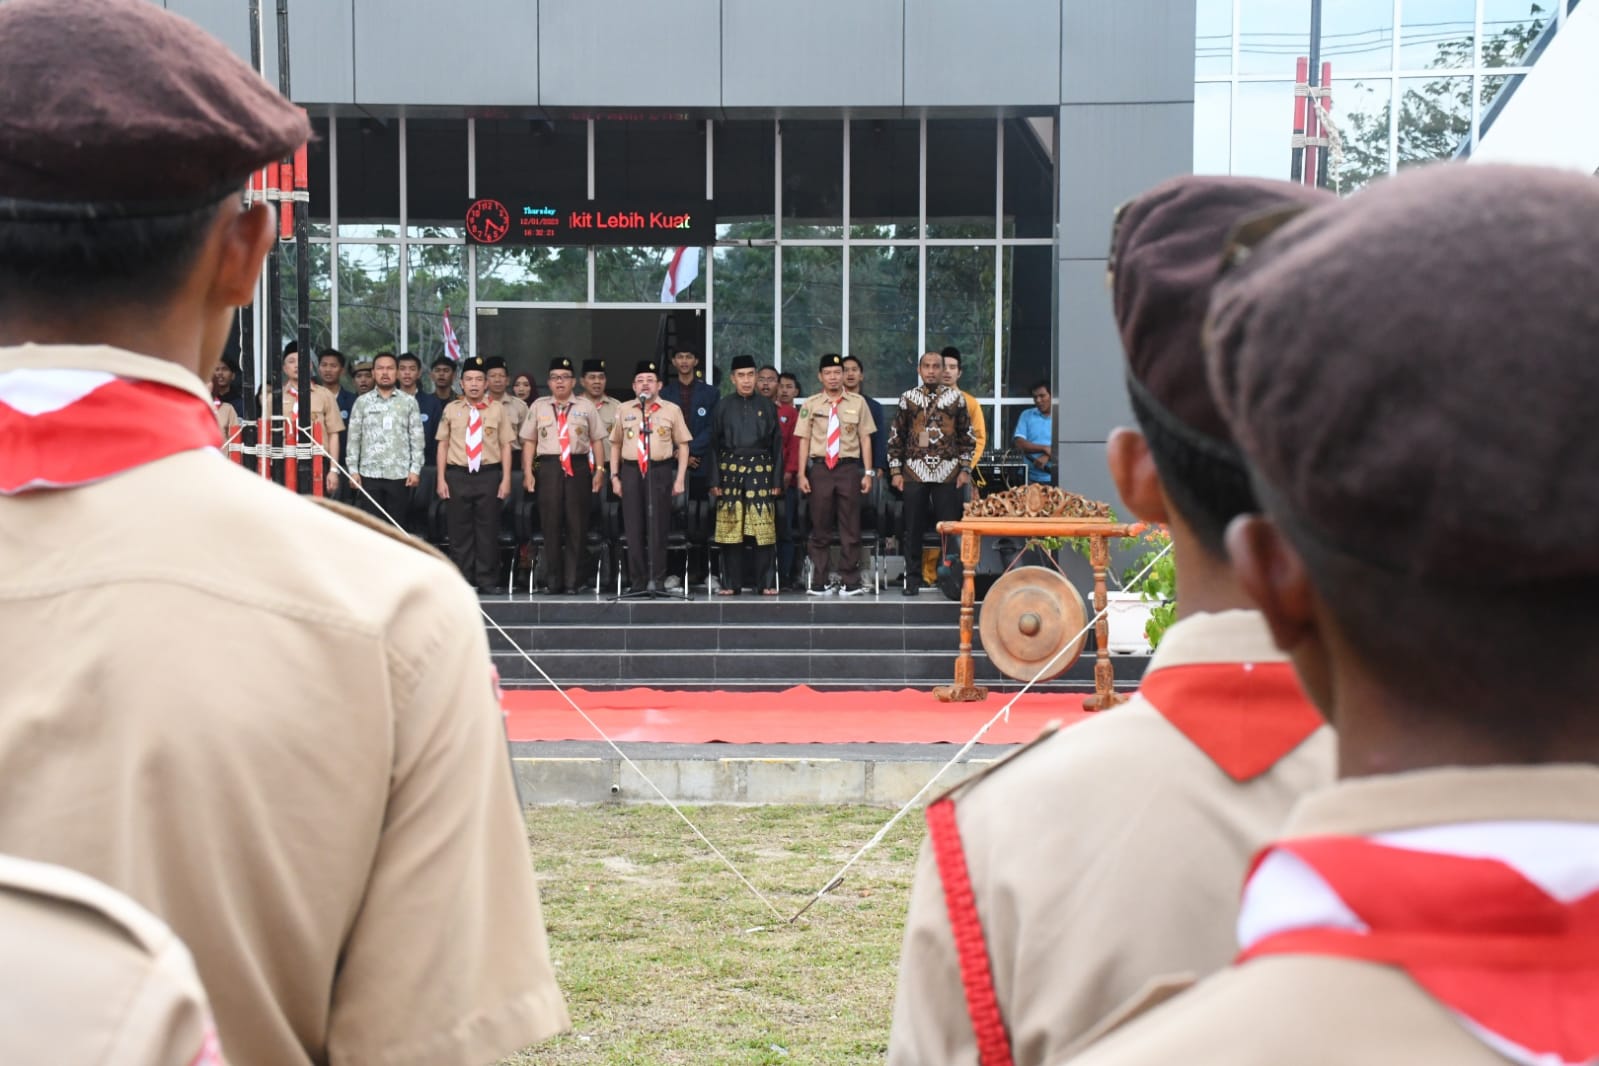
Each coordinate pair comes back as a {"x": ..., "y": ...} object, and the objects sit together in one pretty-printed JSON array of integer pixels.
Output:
[{"x": 745, "y": 475}]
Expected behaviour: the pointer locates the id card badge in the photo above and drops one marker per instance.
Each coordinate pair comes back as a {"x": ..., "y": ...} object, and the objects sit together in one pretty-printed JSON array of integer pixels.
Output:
[{"x": 388, "y": 421}]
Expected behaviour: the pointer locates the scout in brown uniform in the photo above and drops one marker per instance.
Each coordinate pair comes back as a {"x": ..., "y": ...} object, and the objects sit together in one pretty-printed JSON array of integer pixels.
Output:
[
  {"x": 298, "y": 764},
  {"x": 561, "y": 434},
  {"x": 930, "y": 460},
  {"x": 1427, "y": 504},
  {"x": 499, "y": 385},
  {"x": 474, "y": 461},
  {"x": 835, "y": 470},
  {"x": 636, "y": 470},
  {"x": 1073, "y": 915},
  {"x": 607, "y": 406},
  {"x": 324, "y": 411},
  {"x": 91, "y": 977}
]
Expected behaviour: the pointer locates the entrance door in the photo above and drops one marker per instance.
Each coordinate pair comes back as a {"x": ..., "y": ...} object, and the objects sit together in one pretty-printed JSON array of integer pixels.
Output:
[{"x": 529, "y": 337}]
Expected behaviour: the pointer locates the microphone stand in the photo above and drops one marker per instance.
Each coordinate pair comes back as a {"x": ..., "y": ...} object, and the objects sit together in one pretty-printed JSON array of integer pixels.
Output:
[{"x": 650, "y": 591}]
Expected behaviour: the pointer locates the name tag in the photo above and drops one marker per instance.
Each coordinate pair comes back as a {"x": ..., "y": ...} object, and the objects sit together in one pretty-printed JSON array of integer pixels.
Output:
[{"x": 388, "y": 421}]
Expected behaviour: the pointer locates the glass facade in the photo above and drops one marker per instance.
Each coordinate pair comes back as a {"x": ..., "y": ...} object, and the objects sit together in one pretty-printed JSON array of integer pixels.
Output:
[
  {"x": 1413, "y": 81},
  {"x": 877, "y": 238}
]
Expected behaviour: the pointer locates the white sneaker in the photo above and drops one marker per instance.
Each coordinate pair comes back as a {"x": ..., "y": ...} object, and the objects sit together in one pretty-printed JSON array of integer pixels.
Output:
[
  {"x": 674, "y": 582},
  {"x": 711, "y": 584}
]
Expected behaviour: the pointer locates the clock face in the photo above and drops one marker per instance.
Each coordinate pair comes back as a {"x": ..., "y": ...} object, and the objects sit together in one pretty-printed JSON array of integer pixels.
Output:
[{"x": 488, "y": 221}]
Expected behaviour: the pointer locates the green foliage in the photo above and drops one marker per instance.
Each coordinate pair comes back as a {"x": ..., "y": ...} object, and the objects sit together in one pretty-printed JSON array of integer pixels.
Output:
[
  {"x": 1435, "y": 117},
  {"x": 1159, "y": 586}
]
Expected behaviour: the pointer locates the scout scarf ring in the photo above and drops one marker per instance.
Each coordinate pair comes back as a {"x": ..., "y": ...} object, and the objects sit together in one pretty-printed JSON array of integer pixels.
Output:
[{"x": 61, "y": 428}]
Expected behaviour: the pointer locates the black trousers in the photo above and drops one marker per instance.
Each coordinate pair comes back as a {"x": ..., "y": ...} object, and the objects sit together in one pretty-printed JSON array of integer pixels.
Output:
[
  {"x": 940, "y": 501},
  {"x": 836, "y": 504},
  {"x": 661, "y": 477},
  {"x": 388, "y": 493},
  {"x": 748, "y": 565},
  {"x": 563, "y": 516},
  {"x": 473, "y": 514}
]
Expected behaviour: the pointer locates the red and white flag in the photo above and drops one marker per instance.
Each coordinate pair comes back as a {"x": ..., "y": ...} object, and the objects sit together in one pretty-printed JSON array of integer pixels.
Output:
[
  {"x": 684, "y": 268},
  {"x": 66, "y": 427},
  {"x": 452, "y": 347}
]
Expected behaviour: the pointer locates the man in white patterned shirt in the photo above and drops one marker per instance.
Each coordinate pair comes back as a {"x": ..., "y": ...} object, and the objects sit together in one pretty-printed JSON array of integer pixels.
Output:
[{"x": 385, "y": 448}]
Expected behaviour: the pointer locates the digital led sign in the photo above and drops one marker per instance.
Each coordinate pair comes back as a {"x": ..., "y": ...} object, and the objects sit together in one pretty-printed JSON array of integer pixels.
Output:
[{"x": 497, "y": 220}]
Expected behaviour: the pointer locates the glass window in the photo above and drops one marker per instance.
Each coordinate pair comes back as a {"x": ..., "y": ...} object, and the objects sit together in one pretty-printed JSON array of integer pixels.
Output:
[
  {"x": 746, "y": 179},
  {"x": 960, "y": 178},
  {"x": 658, "y": 161},
  {"x": 1509, "y": 28},
  {"x": 885, "y": 177},
  {"x": 317, "y": 179},
  {"x": 1494, "y": 92},
  {"x": 744, "y": 294},
  {"x": 369, "y": 298},
  {"x": 436, "y": 280},
  {"x": 1437, "y": 33},
  {"x": 1362, "y": 108},
  {"x": 960, "y": 311},
  {"x": 321, "y": 303},
  {"x": 554, "y": 275},
  {"x": 435, "y": 177},
  {"x": 518, "y": 157},
  {"x": 1212, "y": 127},
  {"x": 813, "y": 178},
  {"x": 1025, "y": 315},
  {"x": 1356, "y": 35},
  {"x": 1434, "y": 118},
  {"x": 1213, "y": 37},
  {"x": 635, "y": 275},
  {"x": 1029, "y": 178},
  {"x": 813, "y": 307},
  {"x": 1272, "y": 33},
  {"x": 1262, "y": 129},
  {"x": 882, "y": 315},
  {"x": 369, "y": 177}
]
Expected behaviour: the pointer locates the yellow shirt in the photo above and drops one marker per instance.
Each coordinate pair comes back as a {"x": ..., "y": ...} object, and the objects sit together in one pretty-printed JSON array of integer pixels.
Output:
[{"x": 974, "y": 412}]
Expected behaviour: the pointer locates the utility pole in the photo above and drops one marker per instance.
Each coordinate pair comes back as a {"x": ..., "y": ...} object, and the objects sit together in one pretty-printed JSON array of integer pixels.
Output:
[
  {"x": 247, "y": 354},
  {"x": 302, "y": 262},
  {"x": 1319, "y": 177}
]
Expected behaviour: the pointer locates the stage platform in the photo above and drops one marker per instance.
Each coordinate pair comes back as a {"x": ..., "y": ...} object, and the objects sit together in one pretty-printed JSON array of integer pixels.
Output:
[{"x": 753, "y": 643}]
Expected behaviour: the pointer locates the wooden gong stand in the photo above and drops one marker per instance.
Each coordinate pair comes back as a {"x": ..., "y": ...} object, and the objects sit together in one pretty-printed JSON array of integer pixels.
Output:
[{"x": 973, "y": 529}]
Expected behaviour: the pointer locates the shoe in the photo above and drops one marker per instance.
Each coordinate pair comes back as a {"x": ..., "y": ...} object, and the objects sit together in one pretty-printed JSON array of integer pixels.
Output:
[
  {"x": 852, "y": 590},
  {"x": 817, "y": 591},
  {"x": 555, "y": 592},
  {"x": 655, "y": 586},
  {"x": 673, "y": 583},
  {"x": 911, "y": 587}
]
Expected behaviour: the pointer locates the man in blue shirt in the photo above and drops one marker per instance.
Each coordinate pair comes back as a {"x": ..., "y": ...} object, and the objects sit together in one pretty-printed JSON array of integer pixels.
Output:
[
  {"x": 698, "y": 401},
  {"x": 1035, "y": 436}
]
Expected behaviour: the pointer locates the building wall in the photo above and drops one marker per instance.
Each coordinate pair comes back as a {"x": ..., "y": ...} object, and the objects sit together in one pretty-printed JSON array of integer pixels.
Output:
[{"x": 1118, "y": 78}]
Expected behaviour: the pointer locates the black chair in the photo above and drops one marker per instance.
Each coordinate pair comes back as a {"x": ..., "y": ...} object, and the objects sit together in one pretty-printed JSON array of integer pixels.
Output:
[{"x": 529, "y": 531}]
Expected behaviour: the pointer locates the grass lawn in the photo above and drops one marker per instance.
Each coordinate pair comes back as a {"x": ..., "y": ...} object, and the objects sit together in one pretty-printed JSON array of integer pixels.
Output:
[{"x": 665, "y": 957}]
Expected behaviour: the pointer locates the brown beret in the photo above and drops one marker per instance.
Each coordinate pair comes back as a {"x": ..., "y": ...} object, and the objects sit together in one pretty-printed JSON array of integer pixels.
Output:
[
  {"x": 118, "y": 108},
  {"x": 1165, "y": 251},
  {"x": 1410, "y": 374}
]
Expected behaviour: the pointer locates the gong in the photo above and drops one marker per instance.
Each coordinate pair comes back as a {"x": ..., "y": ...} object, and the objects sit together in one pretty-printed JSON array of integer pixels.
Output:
[{"x": 1027, "y": 618}]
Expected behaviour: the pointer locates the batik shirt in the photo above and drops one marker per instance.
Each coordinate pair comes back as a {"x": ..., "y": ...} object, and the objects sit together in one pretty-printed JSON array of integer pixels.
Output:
[
  {"x": 931, "y": 438},
  {"x": 385, "y": 436}
]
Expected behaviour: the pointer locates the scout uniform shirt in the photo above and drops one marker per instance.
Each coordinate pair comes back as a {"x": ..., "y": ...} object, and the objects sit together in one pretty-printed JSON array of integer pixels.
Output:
[
  {"x": 1540, "y": 824},
  {"x": 227, "y": 418},
  {"x": 339, "y": 844},
  {"x": 92, "y": 977},
  {"x": 667, "y": 430},
  {"x": 324, "y": 408},
  {"x": 583, "y": 428},
  {"x": 516, "y": 414},
  {"x": 607, "y": 409},
  {"x": 496, "y": 428},
  {"x": 1110, "y": 853},
  {"x": 855, "y": 422}
]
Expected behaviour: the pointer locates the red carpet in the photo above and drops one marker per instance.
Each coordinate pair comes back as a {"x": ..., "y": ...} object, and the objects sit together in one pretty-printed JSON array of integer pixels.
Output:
[{"x": 793, "y": 716}]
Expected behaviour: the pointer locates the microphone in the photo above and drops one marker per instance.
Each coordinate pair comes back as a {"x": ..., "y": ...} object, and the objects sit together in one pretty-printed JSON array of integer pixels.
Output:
[{"x": 644, "y": 395}]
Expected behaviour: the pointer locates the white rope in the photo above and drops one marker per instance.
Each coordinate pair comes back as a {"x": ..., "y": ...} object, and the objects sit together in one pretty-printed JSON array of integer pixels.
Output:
[
  {"x": 1002, "y": 713},
  {"x": 581, "y": 713}
]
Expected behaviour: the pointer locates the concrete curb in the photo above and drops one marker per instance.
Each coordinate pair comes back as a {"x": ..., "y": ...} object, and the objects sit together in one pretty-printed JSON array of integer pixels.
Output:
[{"x": 745, "y": 779}]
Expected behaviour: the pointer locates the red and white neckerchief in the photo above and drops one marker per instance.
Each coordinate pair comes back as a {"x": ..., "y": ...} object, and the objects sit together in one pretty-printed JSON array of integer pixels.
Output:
[
  {"x": 833, "y": 435},
  {"x": 210, "y": 1052},
  {"x": 644, "y": 440},
  {"x": 1496, "y": 921},
  {"x": 60, "y": 428},
  {"x": 293, "y": 393},
  {"x": 564, "y": 436},
  {"x": 474, "y": 436},
  {"x": 1244, "y": 716}
]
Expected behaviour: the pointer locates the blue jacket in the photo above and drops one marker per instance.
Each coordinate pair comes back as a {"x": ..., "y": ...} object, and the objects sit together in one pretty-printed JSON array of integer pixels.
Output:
[
  {"x": 880, "y": 437},
  {"x": 698, "y": 407}
]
